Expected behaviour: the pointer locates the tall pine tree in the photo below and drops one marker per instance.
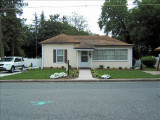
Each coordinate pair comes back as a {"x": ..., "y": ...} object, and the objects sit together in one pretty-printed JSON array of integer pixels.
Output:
[{"x": 12, "y": 27}]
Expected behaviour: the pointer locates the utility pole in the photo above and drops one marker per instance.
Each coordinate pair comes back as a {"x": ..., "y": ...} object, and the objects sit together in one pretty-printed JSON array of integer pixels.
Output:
[
  {"x": 0, "y": 37},
  {"x": 1, "y": 41},
  {"x": 36, "y": 41},
  {"x": 36, "y": 30}
]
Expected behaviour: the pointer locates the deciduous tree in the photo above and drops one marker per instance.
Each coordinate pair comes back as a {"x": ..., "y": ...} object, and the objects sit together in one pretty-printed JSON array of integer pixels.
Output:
[{"x": 114, "y": 19}]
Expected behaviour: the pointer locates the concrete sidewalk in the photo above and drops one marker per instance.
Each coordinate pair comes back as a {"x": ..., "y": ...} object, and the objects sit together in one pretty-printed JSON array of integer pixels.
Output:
[
  {"x": 85, "y": 74},
  {"x": 153, "y": 72}
]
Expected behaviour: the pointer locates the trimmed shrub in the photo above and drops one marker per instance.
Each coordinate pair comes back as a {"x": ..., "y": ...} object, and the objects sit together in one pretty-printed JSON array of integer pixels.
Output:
[
  {"x": 101, "y": 66},
  {"x": 120, "y": 68},
  {"x": 149, "y": 61},
  {"x": 126, "y": 68}
]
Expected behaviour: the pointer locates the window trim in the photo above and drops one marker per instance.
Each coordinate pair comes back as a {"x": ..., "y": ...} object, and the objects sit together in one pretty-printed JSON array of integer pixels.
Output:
[
  {"x": 112, "y": 60},
  {"x": 57, "y": 56}
]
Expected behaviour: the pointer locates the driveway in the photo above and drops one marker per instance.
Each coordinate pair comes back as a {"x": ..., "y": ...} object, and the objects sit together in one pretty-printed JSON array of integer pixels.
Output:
[{"x": 6, "y": 73}]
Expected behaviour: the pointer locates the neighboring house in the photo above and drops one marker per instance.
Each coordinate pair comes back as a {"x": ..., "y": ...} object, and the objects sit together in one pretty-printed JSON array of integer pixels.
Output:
[
  {"x": 86, "y": 52},
  {"x": 157, "y": 49}
]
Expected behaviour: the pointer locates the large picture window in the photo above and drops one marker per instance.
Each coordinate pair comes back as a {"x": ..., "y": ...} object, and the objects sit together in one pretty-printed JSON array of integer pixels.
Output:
[{"x": 110, "y": 54}]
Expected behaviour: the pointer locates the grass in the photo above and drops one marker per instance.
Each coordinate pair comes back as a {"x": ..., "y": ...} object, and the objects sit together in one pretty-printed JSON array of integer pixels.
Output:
[
  {"x": 150, "y": 69},
  {"x": 117, "y": 74},
  {"x": 38, "y": 74}
]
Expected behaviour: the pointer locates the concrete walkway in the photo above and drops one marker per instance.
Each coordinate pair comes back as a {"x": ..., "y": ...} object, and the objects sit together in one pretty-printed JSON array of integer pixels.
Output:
[
  {"x": 153, "y": 72},
  {"x": 85, "y": 74}
]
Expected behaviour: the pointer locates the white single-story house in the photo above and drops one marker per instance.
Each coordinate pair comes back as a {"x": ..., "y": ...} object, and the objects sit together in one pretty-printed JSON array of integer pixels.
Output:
[{"x": 86, "y": 52}]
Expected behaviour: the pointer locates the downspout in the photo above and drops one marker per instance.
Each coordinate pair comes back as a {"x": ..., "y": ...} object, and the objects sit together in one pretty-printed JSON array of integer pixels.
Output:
[
  {"x": 77, "y": 60},
  {"x": 91, "y": 60},
  {"x": 42, "y": 57},
  {"x": 131, "y": 62}
]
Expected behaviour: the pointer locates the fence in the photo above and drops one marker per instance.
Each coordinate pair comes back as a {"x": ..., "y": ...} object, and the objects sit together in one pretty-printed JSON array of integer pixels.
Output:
[{"x": 32, "y": 62}]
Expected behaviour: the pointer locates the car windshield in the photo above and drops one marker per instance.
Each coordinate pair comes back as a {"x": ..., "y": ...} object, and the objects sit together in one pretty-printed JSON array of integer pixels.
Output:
[{"x": 6, "y": 59}]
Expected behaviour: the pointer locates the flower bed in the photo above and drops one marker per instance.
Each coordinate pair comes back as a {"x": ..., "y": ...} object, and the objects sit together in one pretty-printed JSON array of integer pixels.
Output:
[
  {"x": 58, "y": 75},
  {"x": 96, "y": 74},
  {"x": 105, "y": 76}
]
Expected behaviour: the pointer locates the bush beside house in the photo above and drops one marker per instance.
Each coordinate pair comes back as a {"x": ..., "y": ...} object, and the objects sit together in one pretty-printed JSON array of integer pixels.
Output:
[{"x": 149, "y": 61}]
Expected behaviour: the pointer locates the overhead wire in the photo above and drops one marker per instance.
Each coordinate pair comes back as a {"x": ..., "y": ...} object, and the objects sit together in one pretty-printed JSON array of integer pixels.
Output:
[{"x": 80, "y": 6}]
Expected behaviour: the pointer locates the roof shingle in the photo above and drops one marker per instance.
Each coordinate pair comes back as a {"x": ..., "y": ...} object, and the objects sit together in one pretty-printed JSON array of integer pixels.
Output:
[
  {"x": 59, "y": 39},
  {"x": 85, "y": 42}
]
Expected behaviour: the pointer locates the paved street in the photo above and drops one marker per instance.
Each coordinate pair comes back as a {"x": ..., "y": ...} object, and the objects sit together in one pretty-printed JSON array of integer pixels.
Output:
[{"x": 80, "y": 101}]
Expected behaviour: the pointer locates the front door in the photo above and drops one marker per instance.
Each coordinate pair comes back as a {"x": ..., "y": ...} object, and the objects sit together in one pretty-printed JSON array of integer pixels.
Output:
[{"x": 84, "y": 59}]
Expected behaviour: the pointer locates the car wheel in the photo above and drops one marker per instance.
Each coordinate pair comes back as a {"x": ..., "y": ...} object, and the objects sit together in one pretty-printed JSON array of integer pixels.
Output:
[{"x": 12, "y": 69}]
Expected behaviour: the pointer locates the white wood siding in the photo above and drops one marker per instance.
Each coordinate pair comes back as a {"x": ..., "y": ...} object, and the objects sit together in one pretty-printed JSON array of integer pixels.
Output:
[{"x": 48, "y": 55}]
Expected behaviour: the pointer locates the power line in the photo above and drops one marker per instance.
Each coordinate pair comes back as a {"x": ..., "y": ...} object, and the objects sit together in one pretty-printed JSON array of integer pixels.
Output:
[
  {"x": 81, "y": 6},
  {"x": 93, "y": 5}
]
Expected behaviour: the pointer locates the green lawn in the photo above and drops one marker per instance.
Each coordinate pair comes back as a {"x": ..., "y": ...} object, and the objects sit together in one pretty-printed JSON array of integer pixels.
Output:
[
  {"x": 35, "y": 74},
  {"x": 117, "y": 74},
  {"x": 150, "y": 69}
]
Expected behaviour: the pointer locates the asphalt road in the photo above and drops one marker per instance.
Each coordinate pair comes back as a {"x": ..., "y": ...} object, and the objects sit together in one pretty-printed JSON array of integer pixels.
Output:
[{"x": 80, "y": 101}]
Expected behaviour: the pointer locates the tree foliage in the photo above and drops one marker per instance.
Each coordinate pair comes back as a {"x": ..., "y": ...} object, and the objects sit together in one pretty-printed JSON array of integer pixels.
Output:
[
  {"x": 12, "y": 31},
  {"x": 19, "y": 39},
  {"x": 139, "y": 25},
  {"x": 78, "y": 21},
  {"x": 114, "y": 18},
  {"x": 144, "y": 26},
  {"x": 42, "y": 29}
]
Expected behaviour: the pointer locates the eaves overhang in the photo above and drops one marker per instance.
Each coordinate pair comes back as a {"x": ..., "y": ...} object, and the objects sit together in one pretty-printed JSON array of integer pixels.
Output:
[
  {"x": 84, "y": 49},
  {"x": 59, "y": 43}
]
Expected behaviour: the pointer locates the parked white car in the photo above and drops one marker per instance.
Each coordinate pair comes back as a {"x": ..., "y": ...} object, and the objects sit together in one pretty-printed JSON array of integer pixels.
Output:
[{"x": 11, "y": 64}]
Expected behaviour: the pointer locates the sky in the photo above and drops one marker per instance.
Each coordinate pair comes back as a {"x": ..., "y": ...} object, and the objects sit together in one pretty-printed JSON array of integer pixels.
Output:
[{"x": 89, "y": 9}]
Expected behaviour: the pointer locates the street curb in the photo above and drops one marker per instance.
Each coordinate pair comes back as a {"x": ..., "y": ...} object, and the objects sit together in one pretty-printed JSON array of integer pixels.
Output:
[{"x": 72, "y": 80}]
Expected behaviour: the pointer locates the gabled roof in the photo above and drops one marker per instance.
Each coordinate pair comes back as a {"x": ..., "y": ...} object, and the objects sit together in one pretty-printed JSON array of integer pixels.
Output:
[
  {"x": 85, "y": 42},
  {"x": 60, "y": 39}
]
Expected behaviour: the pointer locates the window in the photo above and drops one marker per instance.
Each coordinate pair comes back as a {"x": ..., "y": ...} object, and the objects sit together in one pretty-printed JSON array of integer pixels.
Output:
[
  {"x": 84, "y": 56},
  {"x": 17, "y": 59},
  {"x": 110, "y": 54},
  {"x": 6, "y": 59},
  {"x": 60, "y": 55}
]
